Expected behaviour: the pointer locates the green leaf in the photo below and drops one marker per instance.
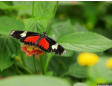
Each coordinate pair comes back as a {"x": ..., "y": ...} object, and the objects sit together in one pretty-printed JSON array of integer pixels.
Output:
[
  {"x": 77, "y": 71},
  {"x": 44, "y": 10},
  {"x": 100, "y": 73},
  {"x": 86, "y": 42},
  {"x": 5, "y": 62},
  {"x": 60, "y": 64},
  {"x": 23, "y": 7},
  {"x": 42, "y": 13},
  {"x": 91, "y": 82},
  {"x": 78, "y": 27},
  {"x": 34, "y": 25},
  {"x": 33, "y": 80},
  {"x": 9, "y": 47},
  {"x": 29, "y": 63},
  {"x": 4, "y": 6},
  {"x": 7, "y": 24},
  {"x": 61, "y": 28},
  {"x": 80, "y": 84}
]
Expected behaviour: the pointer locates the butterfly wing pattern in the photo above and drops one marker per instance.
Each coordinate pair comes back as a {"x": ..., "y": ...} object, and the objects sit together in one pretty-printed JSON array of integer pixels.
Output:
[{"x": 39, "y": 40}]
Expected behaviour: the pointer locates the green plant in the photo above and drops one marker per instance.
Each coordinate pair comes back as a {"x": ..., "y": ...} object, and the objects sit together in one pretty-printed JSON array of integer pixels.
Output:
[{"x": 79, "y": 33}]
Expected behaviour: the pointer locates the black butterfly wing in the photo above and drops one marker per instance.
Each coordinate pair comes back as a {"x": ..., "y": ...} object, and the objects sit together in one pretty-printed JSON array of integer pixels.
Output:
[
  {"x": 47, "y": 44},
  {"x": 55, "y": 47}
]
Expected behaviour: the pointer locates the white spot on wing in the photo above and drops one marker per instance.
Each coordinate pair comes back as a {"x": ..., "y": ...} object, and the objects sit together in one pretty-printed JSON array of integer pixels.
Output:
[
  {"x": 12, "y": 32},
  {"x": 23, "y": 34},
  {"x": 55, "y": 46}
]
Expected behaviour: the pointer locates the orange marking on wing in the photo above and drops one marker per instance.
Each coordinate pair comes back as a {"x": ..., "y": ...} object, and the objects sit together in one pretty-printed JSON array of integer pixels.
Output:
[
  {"x": 43, "y": 42},
  {"x": 32, "y": 39}
]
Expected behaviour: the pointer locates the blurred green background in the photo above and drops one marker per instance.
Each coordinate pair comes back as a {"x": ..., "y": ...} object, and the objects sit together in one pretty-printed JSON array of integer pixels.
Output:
[{"x": 91, "y": 25}]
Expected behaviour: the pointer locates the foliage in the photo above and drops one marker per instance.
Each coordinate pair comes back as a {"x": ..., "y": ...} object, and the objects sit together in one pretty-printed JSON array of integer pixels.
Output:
[
  {"x": 32, "y": 80},
  {"x": 85, "y": 41},
  {"x": 77, "y": 26}
]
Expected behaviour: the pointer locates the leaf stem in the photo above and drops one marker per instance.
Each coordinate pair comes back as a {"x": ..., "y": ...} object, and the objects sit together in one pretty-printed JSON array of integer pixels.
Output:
[
  {"x": 42, "y": 64},
  {"x": 26, "y": 69},
  {"x": 47, "y": 62},
  {"x": 23, "y": 60},
  {"x": 34, "y": 64}
]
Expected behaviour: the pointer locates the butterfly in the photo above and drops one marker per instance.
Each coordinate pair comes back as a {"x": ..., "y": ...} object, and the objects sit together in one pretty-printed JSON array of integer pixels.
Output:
[{"x": 41, "y": 41}]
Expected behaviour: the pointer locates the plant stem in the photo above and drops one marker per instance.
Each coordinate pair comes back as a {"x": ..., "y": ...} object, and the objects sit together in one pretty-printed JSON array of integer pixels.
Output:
[
  {"x": 44, "y": 61},
  {"x": 47, "y": 62},
  {"x": 18, "y": 71},
  {"x": 42, "y": 64},
  {"x": 26, "y": 69},
  {"x": 34, "y": 64},
  {"x": 23, "y": 60}
]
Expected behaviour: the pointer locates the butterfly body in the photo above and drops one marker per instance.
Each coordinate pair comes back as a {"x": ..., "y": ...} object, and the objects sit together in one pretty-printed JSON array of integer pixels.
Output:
[{"x": 39, "y": 40}]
